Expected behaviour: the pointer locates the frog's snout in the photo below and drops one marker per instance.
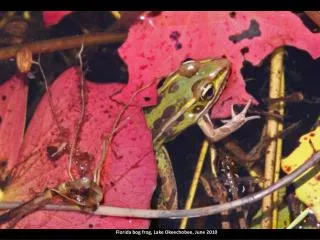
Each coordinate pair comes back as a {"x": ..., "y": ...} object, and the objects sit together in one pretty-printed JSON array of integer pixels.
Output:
[{"x": 224, "y": 63}]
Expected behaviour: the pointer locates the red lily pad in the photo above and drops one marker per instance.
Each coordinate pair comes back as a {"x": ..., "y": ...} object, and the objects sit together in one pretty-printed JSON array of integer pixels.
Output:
[
  {"x": 129, "y": 173},
  {"x": 157, "y": 46},
  {"x": 51, "y": 18},
  {"x": 13, "y": 103}
]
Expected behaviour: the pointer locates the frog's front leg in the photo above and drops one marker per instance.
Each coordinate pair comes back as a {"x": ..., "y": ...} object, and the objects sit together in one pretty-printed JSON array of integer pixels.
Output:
[
  {"x": 168, "y": 198},
  {"x": 232, "y": 125}
]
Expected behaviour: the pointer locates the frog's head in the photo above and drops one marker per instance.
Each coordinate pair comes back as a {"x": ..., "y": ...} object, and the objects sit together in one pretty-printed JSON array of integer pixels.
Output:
[
  {"x": 212, "y": 77},
  {"x": 186, "y": 95}
]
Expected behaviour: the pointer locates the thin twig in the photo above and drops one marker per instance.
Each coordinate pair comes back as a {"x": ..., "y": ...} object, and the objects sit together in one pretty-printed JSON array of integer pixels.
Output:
[
  {"x": 53, "y": 45},
  {"x": 50, "y": 99},
  {"x": 82, "y": 112},
  {"x": 197, "y": 212}
]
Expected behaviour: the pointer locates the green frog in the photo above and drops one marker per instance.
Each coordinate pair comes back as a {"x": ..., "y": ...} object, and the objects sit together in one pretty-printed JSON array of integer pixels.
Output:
[{"x": 185, "y": 98}]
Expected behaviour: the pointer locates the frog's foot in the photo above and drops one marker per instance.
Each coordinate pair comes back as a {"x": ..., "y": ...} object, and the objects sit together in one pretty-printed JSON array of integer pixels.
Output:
[{"x": 240, "y": 118}]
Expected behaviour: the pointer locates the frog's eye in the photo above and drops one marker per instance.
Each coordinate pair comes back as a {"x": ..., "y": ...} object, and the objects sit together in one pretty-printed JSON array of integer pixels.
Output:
[
  {"x": 207, "y": 92},
  {"x": 189, "y": 68}
]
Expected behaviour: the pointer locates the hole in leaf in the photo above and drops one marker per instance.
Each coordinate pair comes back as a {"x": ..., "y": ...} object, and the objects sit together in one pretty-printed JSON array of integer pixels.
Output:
[{"x": 147, "y": 99}]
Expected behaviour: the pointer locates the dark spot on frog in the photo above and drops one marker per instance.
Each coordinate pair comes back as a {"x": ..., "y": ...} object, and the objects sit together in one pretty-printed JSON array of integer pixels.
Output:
[
  {"x": 173, "y": 88},
  {"x": 156, "y": 125},
  {"x": 168, "y": 112},
  {"x": 4, "y": 97},
  {"x": 197, "y": 109},
  {"x": 106, "y": 111},
  {"x": 147, "y": 99},
  {"x": 244, "y": 50},
  {"x": 180, "y": 119},
  {"x": 169, "y": 134},
  {"x": 175, "y": 35},
  {"x": 0, "y": 119},
  {"x": 251, "y": 32},
  {"x": 90, "y": 225},
  {"x": 159, "y": 99},
  {"x": 178, "y": 46},
  {"x": 232, "y": 14},
  {"x": 112, "y": 183}
]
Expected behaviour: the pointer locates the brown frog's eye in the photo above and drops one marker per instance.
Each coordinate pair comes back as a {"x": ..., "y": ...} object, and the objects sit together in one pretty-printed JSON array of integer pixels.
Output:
[
  {"x": 189, "y": 68},
  {"x": 207, "y": 92}
]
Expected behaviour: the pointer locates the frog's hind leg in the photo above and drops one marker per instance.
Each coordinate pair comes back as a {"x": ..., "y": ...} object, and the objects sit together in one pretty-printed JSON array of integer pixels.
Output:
[{"x": 168, "y": 198}]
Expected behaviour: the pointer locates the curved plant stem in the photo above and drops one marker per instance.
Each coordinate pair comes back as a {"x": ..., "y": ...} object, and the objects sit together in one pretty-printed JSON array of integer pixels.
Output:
[
  {"x": 197, "y": 212},
  {"x": 195, "y": 180},
  {"x": 63, "y": 43}
]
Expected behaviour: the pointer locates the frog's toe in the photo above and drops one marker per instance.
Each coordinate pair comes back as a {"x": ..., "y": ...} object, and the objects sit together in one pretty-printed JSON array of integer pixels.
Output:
[
  {"x": 245, "y": 109},
  {"x": 252, "y": 118},
  {"x": 240, "y": 117},
  {"x": 233, "y": 113}
]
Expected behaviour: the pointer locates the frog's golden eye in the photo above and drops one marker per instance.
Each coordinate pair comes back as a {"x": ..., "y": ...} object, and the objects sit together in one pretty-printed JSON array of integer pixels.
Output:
[
  {"x": 189, "y": 68},
  {"x": 207, "y": 92}
]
